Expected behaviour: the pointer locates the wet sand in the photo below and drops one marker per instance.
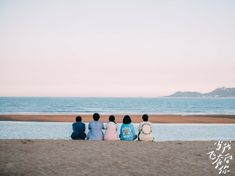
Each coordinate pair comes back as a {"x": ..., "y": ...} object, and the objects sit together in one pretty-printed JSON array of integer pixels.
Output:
[
  {"x": 135, "y": 118},
  {"x": 61, "y": 157}
]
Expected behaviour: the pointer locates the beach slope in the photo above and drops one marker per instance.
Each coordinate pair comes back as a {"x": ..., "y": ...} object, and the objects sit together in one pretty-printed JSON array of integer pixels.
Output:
[{"x": 66, "y": 157}]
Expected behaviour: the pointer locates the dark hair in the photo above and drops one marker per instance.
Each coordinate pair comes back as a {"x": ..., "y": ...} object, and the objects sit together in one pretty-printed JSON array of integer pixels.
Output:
[
  {"x": 126, "y": 119},
  {"x": 78, "y": 119},
  {"x": 112, "y": 118},
  {"x": 96, "y": 116},
  {"x": 145, "y": 117}
]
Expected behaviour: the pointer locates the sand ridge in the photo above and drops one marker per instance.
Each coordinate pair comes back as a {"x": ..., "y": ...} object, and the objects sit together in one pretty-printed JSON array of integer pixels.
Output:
[{"x": 135, "y": 118}]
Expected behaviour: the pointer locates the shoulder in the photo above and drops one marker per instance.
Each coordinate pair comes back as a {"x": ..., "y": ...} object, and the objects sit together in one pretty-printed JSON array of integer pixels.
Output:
[
  {"x": 141, "y": 123},
  {"x": 92, "y": 122},
  {"x": 112, "y": 123},
  {"x": 132, "y": 126},
  {"x": 109, "y": 123},
  {"x": 123, "y": 125},
  {"x": 149, "y": 123}
]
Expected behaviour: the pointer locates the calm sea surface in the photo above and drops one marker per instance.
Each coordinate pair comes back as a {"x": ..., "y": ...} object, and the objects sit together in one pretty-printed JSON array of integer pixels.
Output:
[
  {"x": 70, "y": 105},
  {"x": 161, "y": 132}
]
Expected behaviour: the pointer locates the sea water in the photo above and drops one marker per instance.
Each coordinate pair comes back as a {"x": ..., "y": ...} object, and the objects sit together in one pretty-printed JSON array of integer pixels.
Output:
[
  {"x": 161, "y": 132},
  {"x": 78, "y": 105}
]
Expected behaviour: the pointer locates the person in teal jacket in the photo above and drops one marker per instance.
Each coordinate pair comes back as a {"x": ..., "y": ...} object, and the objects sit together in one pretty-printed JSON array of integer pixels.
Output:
[{"x": 127, "y": 130}]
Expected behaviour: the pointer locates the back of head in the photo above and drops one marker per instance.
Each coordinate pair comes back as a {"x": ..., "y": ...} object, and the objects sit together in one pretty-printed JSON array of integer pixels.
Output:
[
  {"x": 96, "y": 116},
  {"x": 112, "y": 118},
  {"x": 145, "y": 117},
  {"x": 78, "y": 119},
  {"x": 126, "y": 119}
]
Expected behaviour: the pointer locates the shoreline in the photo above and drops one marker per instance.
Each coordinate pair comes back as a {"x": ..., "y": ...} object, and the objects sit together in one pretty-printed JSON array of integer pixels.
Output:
[{"x": 135, "y": 118}]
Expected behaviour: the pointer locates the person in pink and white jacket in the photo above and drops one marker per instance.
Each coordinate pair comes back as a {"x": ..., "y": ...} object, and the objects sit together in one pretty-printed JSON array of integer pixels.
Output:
[{"x": 111, "y": 132}]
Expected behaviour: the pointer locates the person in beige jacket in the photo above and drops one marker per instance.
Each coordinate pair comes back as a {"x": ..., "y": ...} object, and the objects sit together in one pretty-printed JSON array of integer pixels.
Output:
[{"x": 145, "y": 130}]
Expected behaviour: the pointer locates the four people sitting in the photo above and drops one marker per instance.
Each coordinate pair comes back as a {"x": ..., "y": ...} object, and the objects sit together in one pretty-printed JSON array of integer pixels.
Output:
[{"x": 127, "y": 130}]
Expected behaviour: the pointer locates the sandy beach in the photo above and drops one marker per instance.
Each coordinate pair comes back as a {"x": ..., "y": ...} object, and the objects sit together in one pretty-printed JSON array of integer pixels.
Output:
[
  {"x": 61, "y": 157},
  {"x": 135, "y": 118}
]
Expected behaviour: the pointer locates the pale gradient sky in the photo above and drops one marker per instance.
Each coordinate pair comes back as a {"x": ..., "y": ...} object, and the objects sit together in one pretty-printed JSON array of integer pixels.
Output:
[{"x": 115, "y": 48}]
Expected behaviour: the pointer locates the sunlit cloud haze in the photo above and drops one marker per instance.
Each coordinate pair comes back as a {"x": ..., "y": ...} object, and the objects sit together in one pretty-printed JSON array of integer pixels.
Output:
[{"x": 115, "y": 48}]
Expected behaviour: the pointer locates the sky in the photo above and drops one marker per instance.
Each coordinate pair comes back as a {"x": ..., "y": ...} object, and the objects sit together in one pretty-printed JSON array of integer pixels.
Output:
[{"x": 124, "y": 48}]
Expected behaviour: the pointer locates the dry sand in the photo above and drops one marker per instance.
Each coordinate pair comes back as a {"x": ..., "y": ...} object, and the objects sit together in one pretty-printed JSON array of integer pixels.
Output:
[
  {"x": 60, "y": 157},
  {"x": 135, "y": 118}
]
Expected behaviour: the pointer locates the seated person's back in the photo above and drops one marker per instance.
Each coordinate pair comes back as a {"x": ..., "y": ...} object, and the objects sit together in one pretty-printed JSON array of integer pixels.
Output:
[
  {"x": 145, "y": 130},
  {"x": 111, "y": 132},
  {"x": 78, "y": 129},
  {"x": 95, "y": 129},
  {"x": 127, "y": 130}
]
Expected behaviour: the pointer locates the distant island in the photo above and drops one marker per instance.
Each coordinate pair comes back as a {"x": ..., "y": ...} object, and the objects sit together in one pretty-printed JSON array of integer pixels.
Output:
[{"x": 219, "y": 92}]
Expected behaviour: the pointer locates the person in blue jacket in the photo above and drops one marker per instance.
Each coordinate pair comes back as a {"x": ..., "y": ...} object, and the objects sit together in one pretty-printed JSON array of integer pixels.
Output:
[
  {"x": 78, "y": 129},
  {"x": 127, "y": 130},
  {"x": 95, "y": 129}
]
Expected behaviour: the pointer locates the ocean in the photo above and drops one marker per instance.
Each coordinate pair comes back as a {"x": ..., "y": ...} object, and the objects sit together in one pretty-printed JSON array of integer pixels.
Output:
[
  {"x": 161, "y": 132},
  {"x": 78, "y": 105}
]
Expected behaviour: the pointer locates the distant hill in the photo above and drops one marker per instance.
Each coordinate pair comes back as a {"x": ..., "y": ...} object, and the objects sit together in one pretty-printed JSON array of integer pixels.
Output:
[
  {"x": 222, "y": 92},
  {"x": 186, "y": 94},
  {"x": 219, "y": 92}
]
